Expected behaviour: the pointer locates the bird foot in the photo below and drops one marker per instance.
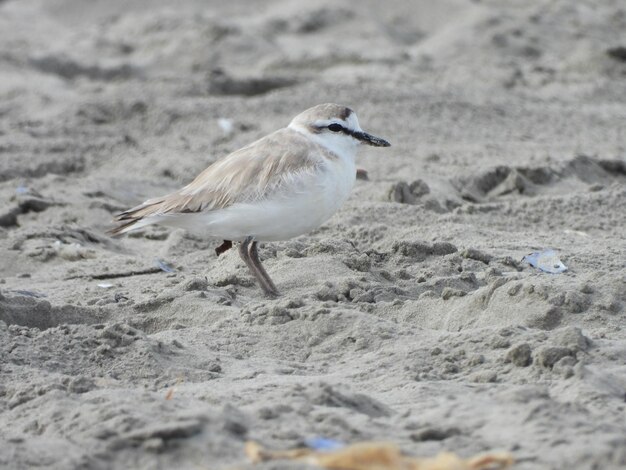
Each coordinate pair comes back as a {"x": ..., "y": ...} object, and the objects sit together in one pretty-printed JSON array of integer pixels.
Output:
[{"x": 227, "y": 245}]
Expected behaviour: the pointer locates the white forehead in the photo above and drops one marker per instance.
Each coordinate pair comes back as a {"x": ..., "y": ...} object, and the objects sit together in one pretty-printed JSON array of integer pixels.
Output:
[{"x": 351, "y": 122}]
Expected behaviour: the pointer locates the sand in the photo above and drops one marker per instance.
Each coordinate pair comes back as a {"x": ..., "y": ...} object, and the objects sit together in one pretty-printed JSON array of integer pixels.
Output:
[{"x": 408, "y": 317}]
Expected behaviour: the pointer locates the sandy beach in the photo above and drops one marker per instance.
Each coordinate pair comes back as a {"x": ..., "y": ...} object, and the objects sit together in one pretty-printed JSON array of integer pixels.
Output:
[{"x": 409, "y": 317}]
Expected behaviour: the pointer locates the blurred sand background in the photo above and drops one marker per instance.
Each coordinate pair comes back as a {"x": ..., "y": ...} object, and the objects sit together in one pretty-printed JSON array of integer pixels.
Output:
[{"x": 408, "y": 317}]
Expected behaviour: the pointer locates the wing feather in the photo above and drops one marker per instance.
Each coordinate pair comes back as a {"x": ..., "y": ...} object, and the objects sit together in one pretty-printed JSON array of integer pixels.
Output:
[{"x": 254, "y": 172}]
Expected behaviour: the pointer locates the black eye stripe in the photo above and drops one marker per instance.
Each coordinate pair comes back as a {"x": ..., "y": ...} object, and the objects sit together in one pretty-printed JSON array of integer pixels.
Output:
[{"x": 336, "y": 127}]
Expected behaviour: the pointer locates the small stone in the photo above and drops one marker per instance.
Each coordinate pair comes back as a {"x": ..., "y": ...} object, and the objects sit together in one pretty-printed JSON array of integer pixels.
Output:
[
  {"x": 444, "y": 248},
  {"x": 408, "y": 193},
  {"x": 267, "y": 413},
  {"x": 476, "y": 359},
  {"x": 279, "y": 315},
  {"x": 419, "y": 188},
  {"x": 565, "y": 367},
  {"x": 294, "y": 303},
  {"x": 576, "y": 302},
  {"x": 412, "y": 249},
  {"x": 514, "y": 289},
  {"x": 587, "y": 289},
  {"x": 292, "y": 252},
  {"x": 81, "y": 385},
  {"x": 360, "y": 262},
  {"x": 429, "y": 294},
  {"x": 519, "y": 355},
  {"x": 470, "y": 278},
  {"x": 487, "y": 376},
  {"x": 572, "y": 338},
  {"x": 500, "y": 343},
  {"x": 617, "y": 53},
  {"x": 359, "y": 295},
  {"x": 196, "y": 284},
  {"x": 401, "y": 193},
  {"x": 233, "y": 280},
  {"x": 548, "y": 356},
  {"x": 154, "y": 444},
  {"x": 327, "y": 293},
  {"x": 506, "y": 331},
  {"x": 214, "y": 367},
  {"x": 165, "y": 430},
  {"x": 403, "y": 274},
  {"x": 449, "y": 292},
  {"x": 420, "y": 250},
  {"x": 235, "y": 427},
  {"x": 473, "y": 253},
  {"x": 434, "y": 434},
  {"x": 547, "y": 319}
]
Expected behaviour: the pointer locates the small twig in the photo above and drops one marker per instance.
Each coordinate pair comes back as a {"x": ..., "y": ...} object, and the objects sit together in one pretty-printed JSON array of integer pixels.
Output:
[
  {"x": 170, "y": 393},
  {"x": 102, "y": 276}
]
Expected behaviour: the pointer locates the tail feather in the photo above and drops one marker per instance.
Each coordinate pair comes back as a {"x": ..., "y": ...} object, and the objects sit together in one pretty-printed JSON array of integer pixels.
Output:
[
  {"x": 136, "y": 217},
  {"x": 150, "y": 207},
  {"x": 120, "y": 229}
]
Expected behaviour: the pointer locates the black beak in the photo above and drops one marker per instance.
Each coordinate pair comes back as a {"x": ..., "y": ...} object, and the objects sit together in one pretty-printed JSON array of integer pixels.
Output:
[{"x": 369, "y": 139}]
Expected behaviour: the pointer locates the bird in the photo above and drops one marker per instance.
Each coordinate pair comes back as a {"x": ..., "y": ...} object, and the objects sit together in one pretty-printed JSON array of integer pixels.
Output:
[{"x": 281, "y": 186}]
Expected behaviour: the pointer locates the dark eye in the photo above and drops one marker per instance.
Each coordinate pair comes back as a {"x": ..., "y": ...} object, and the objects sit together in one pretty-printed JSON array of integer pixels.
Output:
[{"x": 335, "y": 127}]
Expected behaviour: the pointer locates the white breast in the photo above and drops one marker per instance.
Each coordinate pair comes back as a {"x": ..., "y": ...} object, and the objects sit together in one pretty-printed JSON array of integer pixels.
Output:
[{"x": 339, "y": 180}]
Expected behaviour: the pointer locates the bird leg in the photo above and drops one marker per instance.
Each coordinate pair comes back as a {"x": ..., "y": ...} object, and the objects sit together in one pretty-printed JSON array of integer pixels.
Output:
[
  {"x": 227, "y": 245},
  {"x": 270, "y": 288},
  {"x": 250, "y": 255}
]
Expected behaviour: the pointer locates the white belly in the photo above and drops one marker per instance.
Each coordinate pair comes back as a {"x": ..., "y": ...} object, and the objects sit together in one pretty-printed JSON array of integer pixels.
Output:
[{"x": 301, "y": 207}]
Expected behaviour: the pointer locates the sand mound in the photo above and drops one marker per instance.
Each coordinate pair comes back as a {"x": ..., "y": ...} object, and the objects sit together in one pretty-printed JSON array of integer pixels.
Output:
[{"x": 409, "y": 317}]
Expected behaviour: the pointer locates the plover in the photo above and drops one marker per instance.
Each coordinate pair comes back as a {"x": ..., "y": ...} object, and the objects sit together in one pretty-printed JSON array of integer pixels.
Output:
[{"x": 279, "y": 187}]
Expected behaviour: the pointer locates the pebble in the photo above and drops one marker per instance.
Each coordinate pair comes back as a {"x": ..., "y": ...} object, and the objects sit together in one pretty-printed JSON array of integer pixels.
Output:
[{"x": 520, "y": 355}]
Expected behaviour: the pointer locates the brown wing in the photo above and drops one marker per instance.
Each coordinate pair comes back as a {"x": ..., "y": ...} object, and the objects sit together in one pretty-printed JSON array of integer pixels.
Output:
[{"x": 254, "y": 172}]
